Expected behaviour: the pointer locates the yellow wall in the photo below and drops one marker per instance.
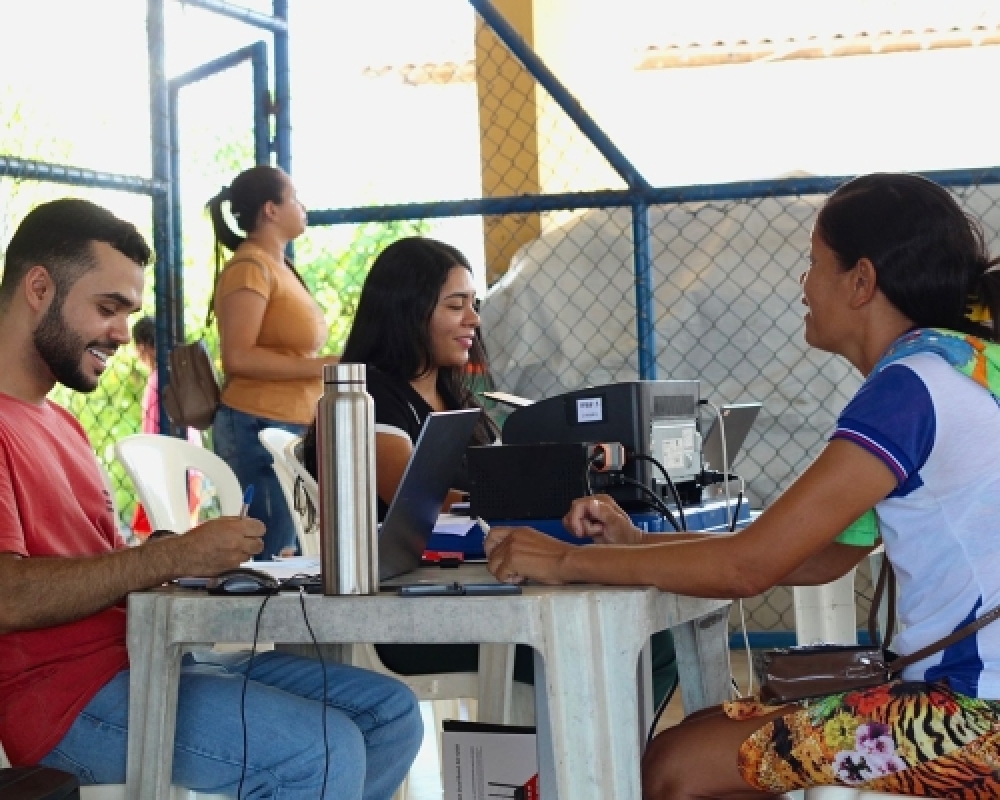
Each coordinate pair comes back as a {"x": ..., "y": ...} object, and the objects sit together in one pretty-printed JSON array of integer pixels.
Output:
[{"x": 508, "y": 127}]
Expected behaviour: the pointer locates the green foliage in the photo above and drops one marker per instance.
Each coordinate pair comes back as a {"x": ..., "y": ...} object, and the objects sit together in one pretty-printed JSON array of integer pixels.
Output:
[{"x": 336, "y": 277}]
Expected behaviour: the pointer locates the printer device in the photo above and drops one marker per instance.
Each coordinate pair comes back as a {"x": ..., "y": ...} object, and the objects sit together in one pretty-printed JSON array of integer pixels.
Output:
[{"x": 547, "y": 455}]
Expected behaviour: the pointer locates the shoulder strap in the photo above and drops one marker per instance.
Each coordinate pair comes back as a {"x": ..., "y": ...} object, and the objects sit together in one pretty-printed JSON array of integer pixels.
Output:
[
  {"x": 887, "y": 582},
  {"x": 903, "y": 662}
]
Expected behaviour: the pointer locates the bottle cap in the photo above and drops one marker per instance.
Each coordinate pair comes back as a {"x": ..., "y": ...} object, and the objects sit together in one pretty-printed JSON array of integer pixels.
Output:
[{"x": 344, "y": 373}]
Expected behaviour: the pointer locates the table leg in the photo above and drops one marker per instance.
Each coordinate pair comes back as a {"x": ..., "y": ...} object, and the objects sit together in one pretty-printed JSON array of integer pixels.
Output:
[
  {"x": 496, "y": 682},
  {"x": 160, "y": 691},
  {"x": 589, "y": 708},
  {"x": 140, "y": 647},
  {"x": 703, "y": 660},
  {"x": 644, "y": 681}
]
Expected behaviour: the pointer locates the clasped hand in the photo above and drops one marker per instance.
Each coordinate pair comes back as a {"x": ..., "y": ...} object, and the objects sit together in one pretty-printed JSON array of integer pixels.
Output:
[
  {"x": 518, "y": 554},
  {"x": 215, "y": 546}
]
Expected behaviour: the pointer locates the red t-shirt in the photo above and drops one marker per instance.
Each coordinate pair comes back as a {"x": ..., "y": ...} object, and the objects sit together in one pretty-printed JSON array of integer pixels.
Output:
[{"x": 53, "y": 502}]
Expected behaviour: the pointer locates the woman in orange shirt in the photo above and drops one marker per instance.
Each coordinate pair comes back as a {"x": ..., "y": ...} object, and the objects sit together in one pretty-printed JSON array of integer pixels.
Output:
[{"x": 270, "y": 332}]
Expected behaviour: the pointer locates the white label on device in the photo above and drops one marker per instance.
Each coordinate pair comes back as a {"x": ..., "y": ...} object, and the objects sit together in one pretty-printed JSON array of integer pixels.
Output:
[
  {"x": 590, "y": 409},
  {"x": 673, "y": 453}
]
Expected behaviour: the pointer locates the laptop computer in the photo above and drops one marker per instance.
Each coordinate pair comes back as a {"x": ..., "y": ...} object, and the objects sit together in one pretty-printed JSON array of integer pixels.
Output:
[
  {"x": 739, "y": 419},
  {"x": 428, "y": 477}
]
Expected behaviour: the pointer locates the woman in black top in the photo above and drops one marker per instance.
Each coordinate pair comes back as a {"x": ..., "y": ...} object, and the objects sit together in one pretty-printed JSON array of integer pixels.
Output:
[{"x": 416, "y": 331}]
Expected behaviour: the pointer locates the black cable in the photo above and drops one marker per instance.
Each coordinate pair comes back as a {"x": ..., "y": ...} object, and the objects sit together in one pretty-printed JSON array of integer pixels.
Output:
[
  {"x": 736, "y": 515},
  {"x": 243, "y": 696},
  {"x": 661, "y": 708},
  {"x": 322, "y": 666},
  {"x": 586, "y": 474},
  {"x": 670, "y": 483},
  {"x": 658, "y": 503}
]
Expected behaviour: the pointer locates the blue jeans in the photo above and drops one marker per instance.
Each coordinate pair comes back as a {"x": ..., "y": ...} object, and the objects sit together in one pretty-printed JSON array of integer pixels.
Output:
[
  {"x": 373, "y": 725},
  {"x": 234, "y": 436}
]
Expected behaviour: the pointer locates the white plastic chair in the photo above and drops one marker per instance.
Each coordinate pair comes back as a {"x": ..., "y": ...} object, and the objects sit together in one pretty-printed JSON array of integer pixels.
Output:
[
  {"x": 827, "y": 613},
  {"x": 277, "y": 442},
  {"x": 158, "y": 466}
]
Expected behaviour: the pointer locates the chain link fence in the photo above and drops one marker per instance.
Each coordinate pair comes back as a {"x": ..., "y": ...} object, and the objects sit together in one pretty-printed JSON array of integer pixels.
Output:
[
  {"x": 728, "y": 313},
  {"x": 459, "y": 116}
]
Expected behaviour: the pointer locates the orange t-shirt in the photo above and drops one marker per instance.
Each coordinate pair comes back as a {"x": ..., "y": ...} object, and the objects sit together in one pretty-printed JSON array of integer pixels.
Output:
[
  {"x": 293, "y": 325},
  {"x": 53, "y": 503}
]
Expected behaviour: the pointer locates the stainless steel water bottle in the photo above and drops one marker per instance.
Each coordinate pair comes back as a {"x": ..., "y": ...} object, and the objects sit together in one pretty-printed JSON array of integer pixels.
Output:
[{"x": 345, "y": 458}]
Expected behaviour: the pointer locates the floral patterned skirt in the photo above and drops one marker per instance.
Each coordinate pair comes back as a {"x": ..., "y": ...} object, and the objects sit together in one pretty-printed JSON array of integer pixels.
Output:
[{"x": 903, "y": 737}]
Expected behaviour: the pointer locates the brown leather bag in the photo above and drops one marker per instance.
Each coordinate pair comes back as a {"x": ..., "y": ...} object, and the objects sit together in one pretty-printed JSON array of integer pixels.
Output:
[
  {"x": 192, "y": 397},
  {"x": 799, "y": 673}
]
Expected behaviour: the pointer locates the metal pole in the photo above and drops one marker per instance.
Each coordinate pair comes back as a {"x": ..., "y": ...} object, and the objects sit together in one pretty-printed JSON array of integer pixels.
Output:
[
  {"x": 15, "y": 167},
  {"x": 282, "y": 90},
  {"x": 261, "y": 105},
  {"x": 567, "y": 102},
  {"x": 644, "y": 319},
  {"x": 176, "y": 233},
  {"x": 166, "y": 298},
  {"x": 240, "y": 13}
]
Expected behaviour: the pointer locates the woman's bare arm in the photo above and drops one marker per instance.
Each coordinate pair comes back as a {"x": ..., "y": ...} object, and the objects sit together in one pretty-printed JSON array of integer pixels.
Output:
[
  {"x": 240, "y": 316},
  {"x": 844, "y": 482}
]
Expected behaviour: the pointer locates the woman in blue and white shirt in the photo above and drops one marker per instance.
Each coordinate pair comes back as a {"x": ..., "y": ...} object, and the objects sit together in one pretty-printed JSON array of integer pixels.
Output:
[{"x": 892, "y": 257}]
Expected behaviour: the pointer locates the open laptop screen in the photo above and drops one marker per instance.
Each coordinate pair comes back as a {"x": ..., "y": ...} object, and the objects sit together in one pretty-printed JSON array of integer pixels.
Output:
[
  {"x": 738, "y": 418},
  {"x": 429, "y": 473}
]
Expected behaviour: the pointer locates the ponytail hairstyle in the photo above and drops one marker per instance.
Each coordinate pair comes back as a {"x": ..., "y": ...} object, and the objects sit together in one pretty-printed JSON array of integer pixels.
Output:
[
  {"x": 930, "y": 257},
  {"x": 249, "y": 192},
  {"x": 391, "y": 329}
]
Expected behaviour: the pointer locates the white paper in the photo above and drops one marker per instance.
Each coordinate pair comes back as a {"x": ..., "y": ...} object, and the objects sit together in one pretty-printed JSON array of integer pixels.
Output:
[
  {"x": 287, "y": 567},
  {"x": 454, "y": 525}
]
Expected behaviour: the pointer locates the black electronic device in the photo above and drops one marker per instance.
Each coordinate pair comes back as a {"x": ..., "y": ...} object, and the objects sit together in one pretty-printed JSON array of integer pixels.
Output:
[
  {"x": 243, "y": 581},
  {"x": 657, "y": 419},
  {"x": 527, "y": 481}
]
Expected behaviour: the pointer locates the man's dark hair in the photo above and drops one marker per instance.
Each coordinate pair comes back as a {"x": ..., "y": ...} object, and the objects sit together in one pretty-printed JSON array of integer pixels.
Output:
[
  {"x": 58, "y": 236},
  {"x": 144, "y": 332}
]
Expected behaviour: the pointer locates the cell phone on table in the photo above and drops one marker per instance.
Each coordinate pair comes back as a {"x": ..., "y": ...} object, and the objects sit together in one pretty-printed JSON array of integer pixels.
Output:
[{"x": 458, "y": 589}]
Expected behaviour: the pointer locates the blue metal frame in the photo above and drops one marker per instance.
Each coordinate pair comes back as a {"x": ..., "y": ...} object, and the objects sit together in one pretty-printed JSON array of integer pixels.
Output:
[
  {"x": 257, "y": 54},
  {"x": 167, "y": 224},
  {"x": 159, "y": 125},
  {"x": 241, "y": 14},
  {"x": 26, "y": 168},
  {"x": 645, "y": 330}
]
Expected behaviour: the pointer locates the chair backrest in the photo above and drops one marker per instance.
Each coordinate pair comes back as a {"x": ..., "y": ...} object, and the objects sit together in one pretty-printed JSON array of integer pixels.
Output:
[
  {"x": 308, "y": 481},
  {"x": 158, "y": 467},
  {"x": 277, "y": 441},
  {"x": 308, "y": 484}
]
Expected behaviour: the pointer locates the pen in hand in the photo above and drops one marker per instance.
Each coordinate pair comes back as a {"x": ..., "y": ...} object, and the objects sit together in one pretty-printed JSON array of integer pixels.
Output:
[{"x": 247, "y": 500}]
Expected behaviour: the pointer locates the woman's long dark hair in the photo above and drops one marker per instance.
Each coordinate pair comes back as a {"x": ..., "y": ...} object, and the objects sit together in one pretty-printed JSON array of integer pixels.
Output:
[
  {"x": 391, "y": 326},
  {"x": 930, "y": 258}
]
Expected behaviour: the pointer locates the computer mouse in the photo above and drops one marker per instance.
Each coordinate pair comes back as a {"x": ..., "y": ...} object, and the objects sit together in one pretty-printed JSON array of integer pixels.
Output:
[{"x": 243, "y": 580}]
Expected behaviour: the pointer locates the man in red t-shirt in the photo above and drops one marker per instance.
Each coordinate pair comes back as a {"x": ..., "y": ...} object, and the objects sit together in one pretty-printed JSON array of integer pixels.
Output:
[{"x": 73, "y": 274}]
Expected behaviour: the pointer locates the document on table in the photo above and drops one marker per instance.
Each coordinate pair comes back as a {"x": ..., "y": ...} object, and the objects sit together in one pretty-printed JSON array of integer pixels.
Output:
[
  {"x": 284, "y": 568},
  {"x": 454, "y": 525}
]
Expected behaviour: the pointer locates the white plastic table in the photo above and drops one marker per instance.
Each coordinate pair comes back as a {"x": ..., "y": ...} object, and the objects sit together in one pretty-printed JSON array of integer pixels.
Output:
[{"x": 587, "y": 642}]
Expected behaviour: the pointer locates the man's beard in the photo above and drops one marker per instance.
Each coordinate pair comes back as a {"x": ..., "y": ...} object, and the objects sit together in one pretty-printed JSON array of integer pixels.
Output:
[{"x": 62, "y": 350}]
